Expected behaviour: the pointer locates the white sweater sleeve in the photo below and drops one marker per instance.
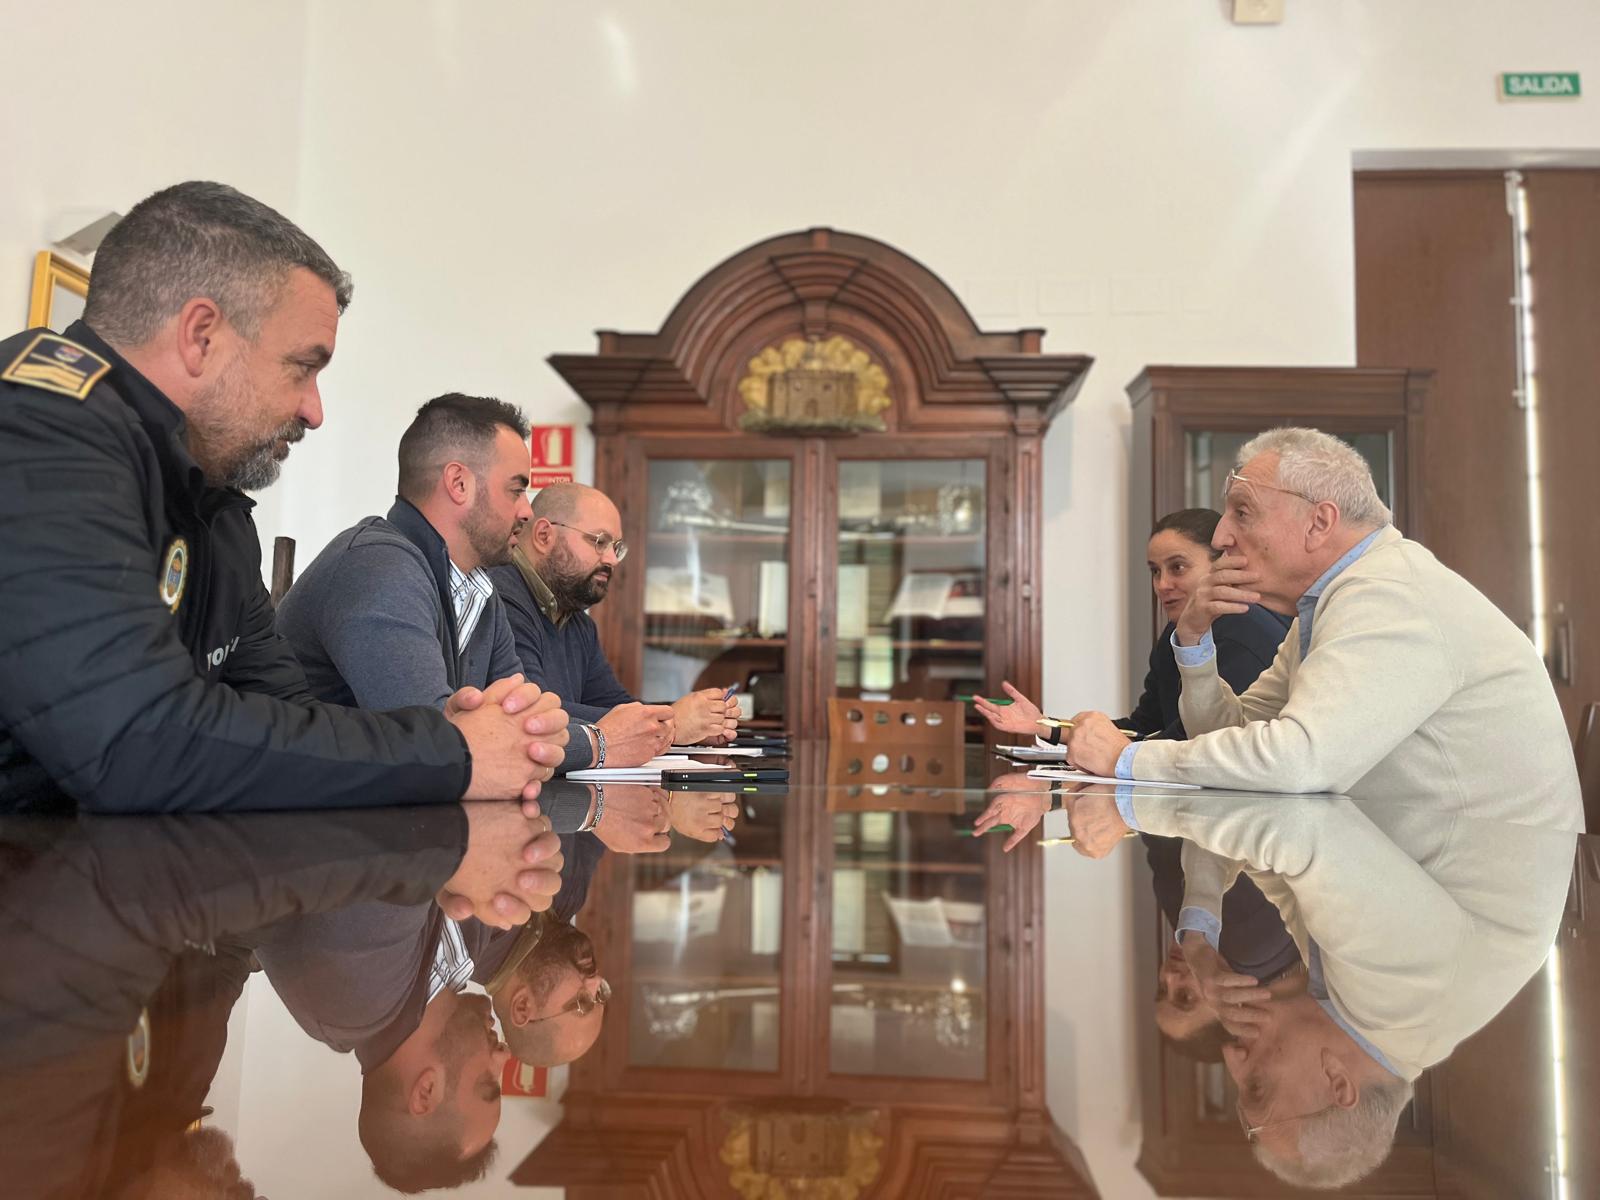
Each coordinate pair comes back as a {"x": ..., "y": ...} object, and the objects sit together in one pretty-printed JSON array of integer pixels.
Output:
[{"x": 1377, "y": 669}]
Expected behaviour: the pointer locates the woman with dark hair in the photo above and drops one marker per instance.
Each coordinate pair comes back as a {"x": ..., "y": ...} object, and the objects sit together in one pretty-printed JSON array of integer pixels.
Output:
[
  {"x": 1254, "y": 941},
  {"x": 1179, "y": 554}
]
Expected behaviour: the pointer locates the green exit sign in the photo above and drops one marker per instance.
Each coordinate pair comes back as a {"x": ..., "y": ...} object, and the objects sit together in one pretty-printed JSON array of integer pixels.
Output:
[{"x": 1539, "y": 85}]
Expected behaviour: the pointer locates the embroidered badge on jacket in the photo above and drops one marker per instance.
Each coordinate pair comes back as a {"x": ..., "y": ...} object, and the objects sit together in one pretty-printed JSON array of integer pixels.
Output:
[{"x": 174, "y": 573}]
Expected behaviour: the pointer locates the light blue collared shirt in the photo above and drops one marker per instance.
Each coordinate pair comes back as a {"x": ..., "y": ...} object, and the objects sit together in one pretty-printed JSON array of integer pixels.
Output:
[
  {"x": 1307, "y": 604},
  {"x": 1206, "y": 649},
  {"x": 1201, "y": 921},
  {"x": 1317, "y": 988}
]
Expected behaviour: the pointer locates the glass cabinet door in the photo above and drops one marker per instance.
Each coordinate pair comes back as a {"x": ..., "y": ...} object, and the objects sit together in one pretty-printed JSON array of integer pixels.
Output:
[
  {"x": 909, "y": 615},
  {"x": 909, "y": 987},
  {"x": 716, "y": 592},
  {"x": 1209, "y": 457},
  {"x": 706, "y": 946}
]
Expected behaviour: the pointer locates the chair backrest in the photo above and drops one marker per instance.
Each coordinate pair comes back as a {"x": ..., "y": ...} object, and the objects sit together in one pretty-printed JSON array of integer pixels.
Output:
[
  {"x": 914, "y": 742},
  {"x": 282, "y": 568},
  {"x": 1586, "y": 748}
]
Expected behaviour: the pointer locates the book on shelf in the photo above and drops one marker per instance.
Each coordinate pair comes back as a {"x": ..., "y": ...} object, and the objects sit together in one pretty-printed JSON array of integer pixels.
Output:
[
  {"x": 937, "y": 921},
  {"x": 939, "y": 595},
  {"x": 853, "y": 597},
  {"x": 772, "y": 601},
  {"x": 674, "y": 591}
]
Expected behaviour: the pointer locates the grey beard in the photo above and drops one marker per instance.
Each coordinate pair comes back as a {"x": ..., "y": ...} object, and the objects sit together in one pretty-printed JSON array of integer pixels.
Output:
[{"x": 260, "y": 466}]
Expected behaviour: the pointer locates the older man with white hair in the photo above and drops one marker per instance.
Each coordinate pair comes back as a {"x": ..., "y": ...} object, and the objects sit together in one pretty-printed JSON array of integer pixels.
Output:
[
  {"x": 1399, "y": 680},
  {"x": 1403, "y": 687}
]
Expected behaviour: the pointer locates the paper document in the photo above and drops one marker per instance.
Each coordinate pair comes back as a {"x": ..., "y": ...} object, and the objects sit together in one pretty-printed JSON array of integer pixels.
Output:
[
  {"x": 1080, "y": 777},
  {"x": 1033, "y": 753},
  {"x": 730, "y": 751}
]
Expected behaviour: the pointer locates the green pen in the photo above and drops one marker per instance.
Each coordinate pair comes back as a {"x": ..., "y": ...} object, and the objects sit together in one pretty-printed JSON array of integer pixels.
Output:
[{"x": 996, "y": 700}]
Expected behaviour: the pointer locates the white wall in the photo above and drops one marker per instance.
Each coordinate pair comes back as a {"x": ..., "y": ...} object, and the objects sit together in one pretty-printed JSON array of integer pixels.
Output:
[
  {"x": 296, "y": 1129},
  {"x": 107, "y": 102},
  {"x": 1143, "y": 179}
]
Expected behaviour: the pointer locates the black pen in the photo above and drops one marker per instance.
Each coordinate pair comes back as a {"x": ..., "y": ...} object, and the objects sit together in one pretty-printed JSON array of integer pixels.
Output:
[
  {"x": 723, "y": 776},
  {"x": 770, "y": 789}
]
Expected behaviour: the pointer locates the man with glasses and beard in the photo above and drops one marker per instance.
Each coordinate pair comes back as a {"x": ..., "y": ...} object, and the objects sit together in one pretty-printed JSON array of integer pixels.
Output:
[
  {"x": 548, "y": 992},
  {"x": 562, "y": 566}
]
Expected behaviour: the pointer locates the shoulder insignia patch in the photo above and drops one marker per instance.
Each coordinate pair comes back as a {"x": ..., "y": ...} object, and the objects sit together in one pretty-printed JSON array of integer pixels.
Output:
[{"x": 55, "y": 364}]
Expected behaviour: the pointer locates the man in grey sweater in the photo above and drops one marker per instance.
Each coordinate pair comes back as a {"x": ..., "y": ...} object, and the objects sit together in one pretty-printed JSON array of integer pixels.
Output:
[{"x": 398, "y": 611}]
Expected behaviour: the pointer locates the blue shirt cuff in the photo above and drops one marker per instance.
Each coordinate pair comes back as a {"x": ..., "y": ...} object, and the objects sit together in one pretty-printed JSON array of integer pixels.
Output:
[
  {"x": 1125, "y": 805},
  {"x": 1194, "y": 656},
  {"x": 1124, "y": 768},
  {"x": 1202, "y": 922}
]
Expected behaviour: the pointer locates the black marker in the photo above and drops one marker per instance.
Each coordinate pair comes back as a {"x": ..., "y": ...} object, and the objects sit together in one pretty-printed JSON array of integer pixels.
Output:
[{"x": 723, "y": 776}]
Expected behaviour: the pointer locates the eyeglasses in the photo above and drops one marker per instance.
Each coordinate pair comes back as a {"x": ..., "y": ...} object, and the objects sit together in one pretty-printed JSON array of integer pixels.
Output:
[
  {"x": 583, "y": 1004},
  {"x": 600, "y": 541},
  {"x": 1251, "y": 1132},
  {"x": 1234, "y": 477}
]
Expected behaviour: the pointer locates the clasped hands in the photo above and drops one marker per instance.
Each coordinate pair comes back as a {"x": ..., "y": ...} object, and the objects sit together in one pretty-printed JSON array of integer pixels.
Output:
[
  {"x": 511, "y": 868},
  {"x": 516, "y": 734}
]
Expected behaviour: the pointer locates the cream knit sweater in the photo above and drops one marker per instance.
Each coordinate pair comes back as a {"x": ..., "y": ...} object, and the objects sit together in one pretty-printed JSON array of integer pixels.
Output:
[
  {"x": 1428, "y": 923},
  {"x": 1415, "y": 690}
]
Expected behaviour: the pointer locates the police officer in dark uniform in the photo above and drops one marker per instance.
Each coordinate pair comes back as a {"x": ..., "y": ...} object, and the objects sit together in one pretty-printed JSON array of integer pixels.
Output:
[
  {"x": 123, "y": 948},
  {"x": 141, "y": 669}
]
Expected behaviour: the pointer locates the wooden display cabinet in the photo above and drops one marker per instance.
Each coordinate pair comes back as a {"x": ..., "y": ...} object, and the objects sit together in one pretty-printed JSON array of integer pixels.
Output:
[{"x": 831, "y": 478}]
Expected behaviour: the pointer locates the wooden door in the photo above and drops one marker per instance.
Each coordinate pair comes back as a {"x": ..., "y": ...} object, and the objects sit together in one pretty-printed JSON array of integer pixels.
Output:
[
  {"x": 1564, "y": 245},
  {"x": 1433, "y": 278},
  {"x": 1435, "y": 270}
]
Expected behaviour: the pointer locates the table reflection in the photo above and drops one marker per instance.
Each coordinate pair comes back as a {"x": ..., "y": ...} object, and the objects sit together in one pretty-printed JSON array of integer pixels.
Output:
[
  {"x": 706, "y": 945},
  {"x": 826, "y": 986},
  {"x": 908, "y": 946}
]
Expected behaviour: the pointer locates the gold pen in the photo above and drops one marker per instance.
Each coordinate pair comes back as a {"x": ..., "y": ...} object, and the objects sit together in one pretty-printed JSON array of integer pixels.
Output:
[
  {"x": 1068, "y": 841},
  {"x": 1058, "y": 723}
]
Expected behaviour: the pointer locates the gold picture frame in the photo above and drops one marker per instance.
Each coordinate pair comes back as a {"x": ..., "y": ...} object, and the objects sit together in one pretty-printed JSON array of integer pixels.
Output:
[{"x": 60, "y": 287}]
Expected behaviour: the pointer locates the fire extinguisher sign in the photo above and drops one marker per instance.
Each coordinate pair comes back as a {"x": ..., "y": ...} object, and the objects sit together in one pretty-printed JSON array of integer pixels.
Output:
[{"x": 550, "y": 448}]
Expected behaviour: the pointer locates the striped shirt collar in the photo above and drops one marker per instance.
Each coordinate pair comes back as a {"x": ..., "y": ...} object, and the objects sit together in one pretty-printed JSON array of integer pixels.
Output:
[
  {"x": 452, "y": 964},
  {"x": 469, "y": 595}
]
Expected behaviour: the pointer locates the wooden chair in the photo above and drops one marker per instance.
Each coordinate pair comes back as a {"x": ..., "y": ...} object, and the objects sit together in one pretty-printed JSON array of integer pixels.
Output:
[
  {"x": 282, "y": 568},
  {"x": 915, "y": 742},
  {"x": 1586, "y": 749}
]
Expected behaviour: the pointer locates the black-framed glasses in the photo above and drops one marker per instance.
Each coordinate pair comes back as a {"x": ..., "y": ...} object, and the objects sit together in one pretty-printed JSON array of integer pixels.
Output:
[
  {"x": 600, "y": 541},
  {"x": 583, "y": 1003}
]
